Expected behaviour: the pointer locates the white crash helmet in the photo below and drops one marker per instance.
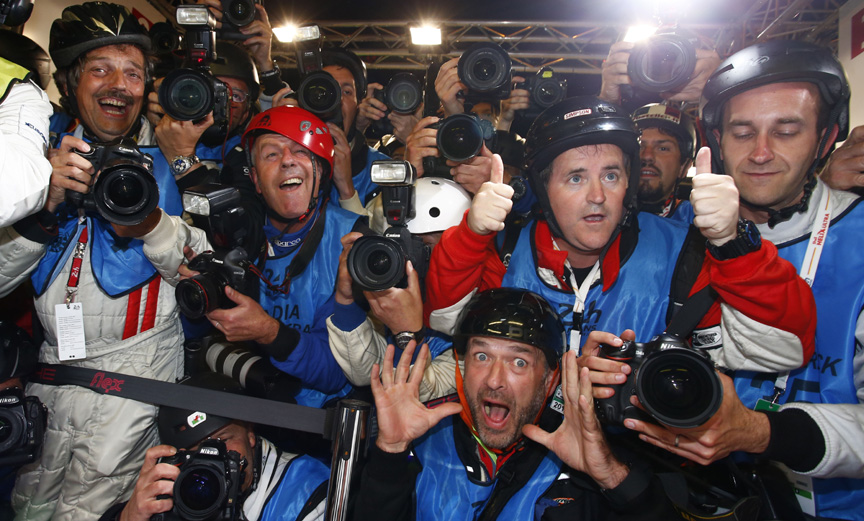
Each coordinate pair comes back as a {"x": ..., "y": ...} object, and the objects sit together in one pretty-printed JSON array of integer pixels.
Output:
[{"x": 440, "y": 205}]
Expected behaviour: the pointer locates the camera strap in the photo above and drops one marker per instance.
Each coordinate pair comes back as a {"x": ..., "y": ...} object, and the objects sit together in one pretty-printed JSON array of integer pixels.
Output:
[{"x": 235, "y": 406}]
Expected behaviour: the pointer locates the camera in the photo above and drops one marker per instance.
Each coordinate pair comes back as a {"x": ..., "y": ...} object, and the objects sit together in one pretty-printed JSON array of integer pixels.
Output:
[
  {"x": 378, "y": 262},
  {"x": 229, "y": 264},
  {"x": 237, "y": 14},
  {"x": 677, "y": 385},
  {"x": 22, "y": 427},
  {"x": 15, "y": 12},
  {"x": 125, "y": 192},
  {"x": 403, "y": 93},
  {"x": 485, "y": 69},
  {"x": 663, "y": 62},
  {"x": 190, "y": 93},
  {"x": 545, "y": 89},
  {"x": 209, "y": 483},
  {"x": 461, "y": 136},
  {"x": 165, "y": 38},
  {"x": 319, "y": 92}
]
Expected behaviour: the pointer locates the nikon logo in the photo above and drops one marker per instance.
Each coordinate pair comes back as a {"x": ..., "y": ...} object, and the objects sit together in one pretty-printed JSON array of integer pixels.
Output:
[
  {"x": 8, "y": 400},
  {"x": 665, "y": 346},
  {"x": 209, "y": 451}
]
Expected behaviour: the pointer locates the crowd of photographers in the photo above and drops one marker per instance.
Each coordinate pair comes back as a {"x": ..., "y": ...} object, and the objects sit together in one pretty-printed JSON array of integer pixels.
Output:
[{"x": 619, "y": 339}]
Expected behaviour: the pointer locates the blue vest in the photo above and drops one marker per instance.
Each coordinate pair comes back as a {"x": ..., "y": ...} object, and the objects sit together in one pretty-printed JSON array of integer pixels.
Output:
[
  {"x": 311, "y": 292},
  {"x": 362, "y": 180},
  {"x": 637, "y": 300},
  {"x": 839, "y": 292},
  {"x": 444, "y": 490},
  {"x": 303, "y": 475}
]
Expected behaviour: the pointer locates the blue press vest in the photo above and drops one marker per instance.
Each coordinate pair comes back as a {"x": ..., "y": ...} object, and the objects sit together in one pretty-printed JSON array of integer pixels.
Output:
[
  {"x": 839, "y": 292},
  {"x": 310, "y": 290},
  {"x": 444, "y": 490},
  {"x": 637, "y": 300},
  {"x": 303, "y": 475}
]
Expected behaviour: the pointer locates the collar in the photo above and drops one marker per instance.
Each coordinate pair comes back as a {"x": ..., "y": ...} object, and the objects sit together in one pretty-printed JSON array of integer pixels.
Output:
[{"x": 551, "y": 258}]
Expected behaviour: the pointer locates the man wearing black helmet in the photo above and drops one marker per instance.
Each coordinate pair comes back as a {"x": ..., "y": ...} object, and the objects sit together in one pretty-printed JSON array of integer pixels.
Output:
[
  {"x": 606, "y": 267},
  {"x": 667, "y": 146},
  {"x": 772, "y": 112},
  {"x": 275, "y": 484},
  {"x": 499, "y": 460}
]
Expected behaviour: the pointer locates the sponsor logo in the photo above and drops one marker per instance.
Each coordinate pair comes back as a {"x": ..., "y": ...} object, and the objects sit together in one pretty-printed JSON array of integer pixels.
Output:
[
  {"x": 305, "y": 125},
  {"x": 577, "y": 113},
  {"x": 196, "y": 418},
  {"x": 209, "y": 451},
  {"x": 106, "y": 384}
]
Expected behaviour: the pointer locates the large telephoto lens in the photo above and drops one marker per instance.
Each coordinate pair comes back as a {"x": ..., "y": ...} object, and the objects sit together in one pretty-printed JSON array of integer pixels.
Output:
[
  {"x": 320, "y": 94},
  {"x": 404, "y": 93},
  {"x": 199, "y": 295},
  {"x": 376, "y": 263},
  {"x": 664, "y": 62},
  {"x": 198, "y": 492},
  {"x": 679, "y": 387},
  {"x": 485, "y": 67},
  {"x": 125, "y": 194},
  {"x": 460, "y": 137},
  {"x": 187, "y": 94}
]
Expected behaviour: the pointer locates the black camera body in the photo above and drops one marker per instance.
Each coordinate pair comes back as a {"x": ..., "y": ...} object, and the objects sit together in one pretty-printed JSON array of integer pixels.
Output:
[
  {"x": 460, "y": 137},
  {"x": 319, "y": 92},
  {"x": 125, "y": 192},
  {"x": 217, "y": 270},
  {"x": 676, "y": 384},
  {"x": 209, "y": 483},
  {"x": 403, "y": 93},
  {"x": 545, "y": 89},
  {"x": 237, "y": 14},
  {"x": 191, "y": 92},
  {"x": 486, "y": 70},
  {"x": 663, "y": 62},
  {"x": 22, "y": 427}
]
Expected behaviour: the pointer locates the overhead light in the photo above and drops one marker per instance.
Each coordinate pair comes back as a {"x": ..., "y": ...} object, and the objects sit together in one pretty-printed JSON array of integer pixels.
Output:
[
  {"x": 426, "y": 35},
  {"x": 636, "y": 33}
]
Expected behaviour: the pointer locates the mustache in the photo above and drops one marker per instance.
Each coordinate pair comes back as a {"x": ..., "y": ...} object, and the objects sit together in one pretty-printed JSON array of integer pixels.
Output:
[{"x": 116, "y": 93}]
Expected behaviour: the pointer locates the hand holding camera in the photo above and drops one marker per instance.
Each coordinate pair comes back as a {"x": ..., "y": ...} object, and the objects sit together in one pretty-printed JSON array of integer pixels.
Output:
[
  {"x": 492, "y": 203},
  {"x": 71, "y": 171},
  {"x": 153, "y": 491},
  {"x": 448, "y": 86}
]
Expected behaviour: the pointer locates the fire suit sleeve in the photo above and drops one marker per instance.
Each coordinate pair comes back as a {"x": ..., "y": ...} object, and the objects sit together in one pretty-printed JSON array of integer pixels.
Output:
[
  {"x": 462, "y": 262},
  {"x": 768, "y": 312},
  {"x": 164, "y": 245},
  {"x": 355, "y": 343},
  {"x": 18, "y": 258}
]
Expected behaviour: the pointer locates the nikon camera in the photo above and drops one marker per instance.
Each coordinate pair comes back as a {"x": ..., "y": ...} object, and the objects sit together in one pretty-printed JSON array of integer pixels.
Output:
[
  {"x": 676, "y": 384},
  {"x": 208, "y": 486},
  {"x": 125, "y": 192},
  {"x": 378, "y": 262},
  {"x": 22, "y": 427}
]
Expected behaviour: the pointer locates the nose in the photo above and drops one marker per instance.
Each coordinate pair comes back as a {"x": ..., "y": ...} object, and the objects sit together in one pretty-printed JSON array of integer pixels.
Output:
[
  {"x": 646, "y": 154},
  {"x": 288, "y": 158},
  {"x": 117, "y": 79},
  {"x": 496, "y": 377},
  {"x": 762, "y": 152},
  {"x": 596, "y": 193}
]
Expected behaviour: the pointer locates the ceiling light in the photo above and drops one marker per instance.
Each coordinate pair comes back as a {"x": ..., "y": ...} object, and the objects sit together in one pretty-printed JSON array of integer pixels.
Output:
[
  {"x": 426, "y": 35},
  {"x": 636, "y": 33}
]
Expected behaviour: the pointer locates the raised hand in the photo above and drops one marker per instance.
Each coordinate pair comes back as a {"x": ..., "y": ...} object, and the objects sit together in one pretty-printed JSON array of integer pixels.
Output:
[
  {"x": 715, "y": 201},
  {"x": 493, "y": 202}
]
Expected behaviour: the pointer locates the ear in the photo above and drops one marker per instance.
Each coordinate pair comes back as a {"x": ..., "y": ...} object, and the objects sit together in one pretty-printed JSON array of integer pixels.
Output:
[
  {"x": 835, "y": 130},
  {"x": 252, "y": 438},
  {"x": 253, "y": 174}
]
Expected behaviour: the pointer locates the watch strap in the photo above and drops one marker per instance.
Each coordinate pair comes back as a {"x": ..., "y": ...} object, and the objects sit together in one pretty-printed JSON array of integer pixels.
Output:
[
  {"x": 402, "y": 338},
  {"x": 181, "y": 164},
  {"x": 747, "y": 240}
]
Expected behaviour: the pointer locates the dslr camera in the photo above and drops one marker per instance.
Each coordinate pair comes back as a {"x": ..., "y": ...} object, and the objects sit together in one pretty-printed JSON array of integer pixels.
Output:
[
  {"x": 402, "y": 95},
  {"x": 676, "y": 384},
  {"x": 319, "y": 92},
  {"x": 209, "y": 483},
  {"x": 663, "y": 62},
  {"x": 545, "y": 89},
  {"x": 460, "y": 137},
  {"x": 125, "y": 192},
  {"x": 229, "y": 264},
  {"x": 190, "y": 93},
  {"x": 378, "y": 262},
  {"x": 237, "y": 14},
  {"x": 485, "y": 69},
  {"x": 22, "y": 427}
]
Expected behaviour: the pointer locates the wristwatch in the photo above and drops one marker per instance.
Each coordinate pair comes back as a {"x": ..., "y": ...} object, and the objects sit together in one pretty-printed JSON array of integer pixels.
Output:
[
  {"x": 181, "y": 164},
  {"x": 402, "y": 338},
  {"x": 748, "y": 240}
]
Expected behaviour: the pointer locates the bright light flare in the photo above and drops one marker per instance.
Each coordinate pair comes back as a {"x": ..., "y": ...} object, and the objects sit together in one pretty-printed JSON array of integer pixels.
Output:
[
  {"x": 637, "y": 33},
  {"x": 426, "y": 35}
]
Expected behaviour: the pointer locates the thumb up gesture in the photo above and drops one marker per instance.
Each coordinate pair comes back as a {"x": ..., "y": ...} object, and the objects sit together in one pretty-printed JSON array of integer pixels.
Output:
[
  {"x": 492, "y": 202},
  {"x": 715, "y": 202}
]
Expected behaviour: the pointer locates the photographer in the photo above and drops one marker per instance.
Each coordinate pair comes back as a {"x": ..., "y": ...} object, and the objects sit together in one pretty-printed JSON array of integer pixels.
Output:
[
  {"x": 275, "y": 484},
  {"x": 354, "y": 341}
]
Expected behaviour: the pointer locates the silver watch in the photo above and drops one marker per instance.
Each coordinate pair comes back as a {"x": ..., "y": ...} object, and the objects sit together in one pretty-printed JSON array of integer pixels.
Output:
[{"x": 181, "y": 164}]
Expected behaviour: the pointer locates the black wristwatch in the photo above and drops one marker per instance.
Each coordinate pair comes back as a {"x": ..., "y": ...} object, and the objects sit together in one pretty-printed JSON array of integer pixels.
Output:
[
  {"x": 748, "y": 240},
  {"x": 402, "y": 338}
]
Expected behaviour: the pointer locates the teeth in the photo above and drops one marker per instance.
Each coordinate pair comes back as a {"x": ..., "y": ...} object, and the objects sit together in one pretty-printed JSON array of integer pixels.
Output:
[
  {"x": 115, "y": 102},
  {"x": 292, "y": 181}
]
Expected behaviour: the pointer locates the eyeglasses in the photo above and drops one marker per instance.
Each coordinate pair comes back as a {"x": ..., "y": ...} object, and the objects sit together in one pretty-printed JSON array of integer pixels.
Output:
[{"x": 238, "y": 96}]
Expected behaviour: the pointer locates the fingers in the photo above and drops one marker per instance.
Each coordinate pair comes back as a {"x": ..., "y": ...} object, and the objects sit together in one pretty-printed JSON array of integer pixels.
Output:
[
  {"x": 404, "y": 366},
  {"x": 703, "y": 161},
  {"x": 535, "y": 433},
  {"x": 387, "y": 367},
  {"x": 419, "y": 364},
  {"x": 497, "y": 168}
]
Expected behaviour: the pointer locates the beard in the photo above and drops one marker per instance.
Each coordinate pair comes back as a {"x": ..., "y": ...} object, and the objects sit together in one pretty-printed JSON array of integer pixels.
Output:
[
  {"x": 650, "y": 193},
  {"x": 501, "y": 439}
]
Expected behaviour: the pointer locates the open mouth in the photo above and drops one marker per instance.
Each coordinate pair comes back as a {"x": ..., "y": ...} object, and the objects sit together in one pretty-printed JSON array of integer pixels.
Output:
[
  {"x": 594, "y": 218},
  {"x": 113, "y": 106},
  {"x": 290, "y": 183},
  {"x": 647, "y": 172},
  {"x": 496, "y": 413}
]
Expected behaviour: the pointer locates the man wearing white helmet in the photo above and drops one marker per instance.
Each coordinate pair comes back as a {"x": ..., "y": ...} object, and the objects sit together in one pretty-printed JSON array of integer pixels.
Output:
[{"x": 354, "y": 341}]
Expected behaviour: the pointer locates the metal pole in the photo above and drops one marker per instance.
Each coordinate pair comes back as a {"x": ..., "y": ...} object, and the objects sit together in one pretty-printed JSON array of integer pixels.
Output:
[{"x": 350, "y": 434}]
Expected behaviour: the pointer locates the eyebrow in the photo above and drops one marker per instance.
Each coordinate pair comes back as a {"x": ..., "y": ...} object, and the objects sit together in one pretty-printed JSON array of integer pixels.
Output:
[
  {"x": 785, "y": 120},
  {"x": 479, "y": 342}
]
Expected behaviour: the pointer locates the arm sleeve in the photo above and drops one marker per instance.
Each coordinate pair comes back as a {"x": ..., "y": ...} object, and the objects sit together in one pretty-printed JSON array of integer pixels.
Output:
[
  {"x": 18, "y": 258},
  {"x": 386, "y": 487},
  {"x": 768, "y": 312},
  {"x": 307, "y": 355},
  {"x": 163, "y": 246},
  {"x": 461, "y": 262},
  {"x": 24, "y": 118},
  {"x": 355, "y": 343}
]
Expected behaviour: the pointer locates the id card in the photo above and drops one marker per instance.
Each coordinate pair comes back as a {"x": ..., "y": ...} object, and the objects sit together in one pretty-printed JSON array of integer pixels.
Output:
[{"x": 70, "y": 331}]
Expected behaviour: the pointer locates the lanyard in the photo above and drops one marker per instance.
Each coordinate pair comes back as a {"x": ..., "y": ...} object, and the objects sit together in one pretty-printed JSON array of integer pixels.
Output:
[
  {"x": 581, "y": 294},
  {"x": 75, "y": 273}
]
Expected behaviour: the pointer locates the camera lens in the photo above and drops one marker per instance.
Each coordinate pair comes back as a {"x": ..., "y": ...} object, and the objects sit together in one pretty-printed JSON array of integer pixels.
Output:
[
  {"x": 125, "y": 194},
  {"x": 460, "y": 137},
  {"x": 376, "y": 263},
  {"x": 320, "y": 94},
  {"x": 664, "y": 62},
  {"x": 187, "y": 94},
  {"x": 404, "y": 93},
  {"x": 199, "y": 491},
  {"x": 12, "y": 428},
  {"x": 484, "y": 67},
  {"x": 548, "y": 93},
  {"x": 198, "y": 295},
  {"x": 240, "y": 12},
  {"x": 679, "y": 387}
]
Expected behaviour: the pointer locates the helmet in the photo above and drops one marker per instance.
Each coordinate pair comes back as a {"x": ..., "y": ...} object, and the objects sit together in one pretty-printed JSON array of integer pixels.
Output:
[
  {"x": 234, "y": 62},
  {"x": 15, "y": 12},
  {"x": 18, "y": 355},
  {"x": 440, "y": 204},
  {"x": 513, "y": 314},
  {"x": 671, "y": 121},
  {"x": 91, "y": 25},
  {"x": 298, "y": 124},
  {"x": 19, "y": 49},
  {"x": 345, "y": 58},
  {"x": 183, "y": 428},
  {"x": 576, "y": 122},
  {"x": 774, "y": 62}
]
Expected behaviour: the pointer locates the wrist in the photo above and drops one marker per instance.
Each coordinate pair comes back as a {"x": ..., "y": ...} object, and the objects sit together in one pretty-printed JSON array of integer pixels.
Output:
[
  {"x": 616, "y": 473},
  {"x": 271, "y": 331},
  {"x": 392, "y": 447}
]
